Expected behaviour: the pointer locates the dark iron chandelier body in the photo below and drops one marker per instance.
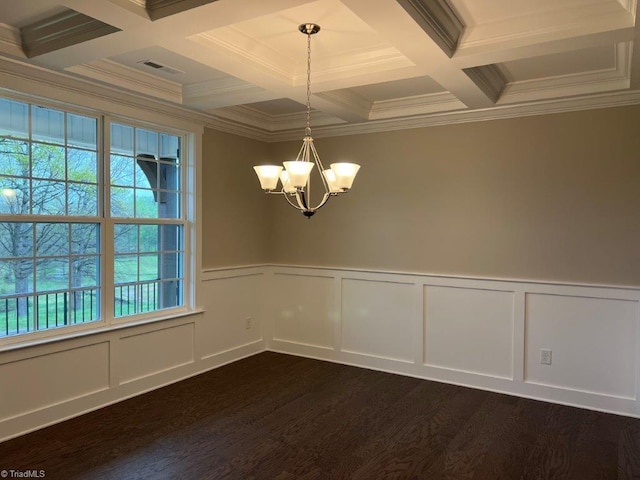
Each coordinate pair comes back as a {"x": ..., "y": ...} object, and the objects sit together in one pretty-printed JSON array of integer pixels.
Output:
[{"x": 295, "y": 178}]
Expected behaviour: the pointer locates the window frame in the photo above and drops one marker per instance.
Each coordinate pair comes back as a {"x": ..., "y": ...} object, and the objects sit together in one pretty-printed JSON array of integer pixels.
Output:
[
  {"x": 182, "y": 221},
  {"x": 106, "y": 223}
]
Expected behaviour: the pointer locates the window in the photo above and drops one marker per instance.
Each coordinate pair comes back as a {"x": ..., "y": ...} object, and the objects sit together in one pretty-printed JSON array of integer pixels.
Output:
[
  {"x": 57, "y": 214},
  {"x": 147, "y": 208}
]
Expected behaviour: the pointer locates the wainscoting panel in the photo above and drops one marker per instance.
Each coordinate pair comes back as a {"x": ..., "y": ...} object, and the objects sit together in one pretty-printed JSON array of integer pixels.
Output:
[
  {"x": 468, "y": 329},
  {"x": 304, "y": 309},
  {"x": 593, "y": 343},
  {"x": 377, "y": 318},
  {"x": 234, "y": 315},
  {"x": 481, "y": 333},
  {"x": 48, "y": 379},
  {"x": 148, "y": 353}
]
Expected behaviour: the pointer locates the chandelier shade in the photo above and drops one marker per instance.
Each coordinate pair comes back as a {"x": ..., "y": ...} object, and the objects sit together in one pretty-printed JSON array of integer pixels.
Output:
[
  {"x": 295, "y": 175},
  {"x": 268, "y": 176}
]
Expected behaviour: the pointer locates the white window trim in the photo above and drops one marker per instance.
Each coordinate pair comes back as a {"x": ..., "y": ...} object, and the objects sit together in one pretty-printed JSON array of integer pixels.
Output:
[{"x": 191, "y": 141}]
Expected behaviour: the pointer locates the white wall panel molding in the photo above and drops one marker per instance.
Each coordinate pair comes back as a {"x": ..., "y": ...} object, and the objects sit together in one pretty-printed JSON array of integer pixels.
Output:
[
  {"x": 164, "y": 349},
  {"x": 305, "y": 309},
  {"x": 595, "y": 332},
  {"x": 481, "y": 333},
  {"x": 377, "y": 318},
  {"x": 50, "y": 382},
  {"x": 44, "y": 380},
  {"x": 469, "y": 329},
  {"x": 233, "y": 302}
]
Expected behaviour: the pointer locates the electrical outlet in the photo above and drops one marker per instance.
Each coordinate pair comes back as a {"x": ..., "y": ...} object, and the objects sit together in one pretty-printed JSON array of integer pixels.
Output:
[
  {"x": 545, "y": 356},
  {"x": 248, "y": 323}
]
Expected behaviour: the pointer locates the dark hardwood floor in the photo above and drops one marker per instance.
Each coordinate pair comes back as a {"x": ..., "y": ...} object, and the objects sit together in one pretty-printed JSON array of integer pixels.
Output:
[{"x": 276, "y": 416}]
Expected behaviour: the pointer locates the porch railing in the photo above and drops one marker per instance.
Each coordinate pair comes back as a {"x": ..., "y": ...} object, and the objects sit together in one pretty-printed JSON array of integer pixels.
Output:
[{"x": 31, "y": 312}]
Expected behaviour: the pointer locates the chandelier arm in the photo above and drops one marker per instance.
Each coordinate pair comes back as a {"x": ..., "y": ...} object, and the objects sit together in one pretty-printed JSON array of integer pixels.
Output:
[
  {"x": 303, "y": 200},
  {"x": 316, "y": 157},
  {"x": 301, "y": 152},
  {"x": 294, "y": 205}
]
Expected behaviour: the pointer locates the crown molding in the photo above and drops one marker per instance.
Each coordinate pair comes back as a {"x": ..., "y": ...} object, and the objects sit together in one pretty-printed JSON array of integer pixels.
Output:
[
  {"x": 346, "y": 100},
  {"x": 272, "y": 124},
  {"x": 19, "y": 77},
  {"x": 562, "y": 23},
  {"x": 416, "y": 105},
  {"x": 56, "y": 87},
  {"x": 220, "y": 92},
  {"x": 598, "y": 81},
  {"x": 546, "y": 107},
  {"x": 61, "y": 30},
  {"x": 438, "y": 19},
  {"x": 119, "y": 75}
]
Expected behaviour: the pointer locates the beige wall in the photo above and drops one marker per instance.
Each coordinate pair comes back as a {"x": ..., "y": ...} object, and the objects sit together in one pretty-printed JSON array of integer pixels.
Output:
[
  {"x": 235, "y": 214},
  {"x": 553, "y": 197}
]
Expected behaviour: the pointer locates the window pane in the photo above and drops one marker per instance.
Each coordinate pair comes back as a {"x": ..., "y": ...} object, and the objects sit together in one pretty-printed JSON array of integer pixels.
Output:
[
  {"x": 85, "y": 271},
  {"x": 171, "y": 265},
  {"x": 146, "y": 172},
  {"x": 47, "y": 161},
  {"x": 125, "y": 268},
  {"x": 82, "y": 131},
  {"x": 84, "y": 238},
  {"x": 52, "y": 239},
  {"x": 122, "y": 171},
  {"x": 169, "y": 206},
  {"x": 126, "y": 238},
  {"x": 146, "y": 206},
  {"x": 83, "y": 305},
  {"x": 82, "y": 199},
  {"x": 146, "y": 142},
  {"x": 170, "y": 175},
  {"x": 48, "y": 198},
  {"x": 16, "y": 240},
  {"x": 47, "y": 125},
  {"x": 121, "y": 139},
  {"x": 122, "y": 202},
  {"x": 52, "y": 274},
  {"x": 170, "y": 294},
  {"x": 148, "y": 267},
  {"x": 17, "y": 276},
  {"x": 14, "y": 196},
  {"x": 14, "y": 119},
  {"x": 171, "y": 237},
  {"x": 169, "y": 147},
  {"x": 82, "y": 166},
  {"x": 14, "y": 157},
  {"x": 149, "y": 240}
]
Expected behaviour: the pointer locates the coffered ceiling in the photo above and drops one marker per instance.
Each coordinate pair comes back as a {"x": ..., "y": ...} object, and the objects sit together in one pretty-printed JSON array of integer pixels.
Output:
[{"x": 376, "y": 65}]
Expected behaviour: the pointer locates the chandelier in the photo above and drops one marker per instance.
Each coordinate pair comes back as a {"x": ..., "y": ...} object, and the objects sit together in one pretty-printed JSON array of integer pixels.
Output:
[{"x": 295, "y": 176}]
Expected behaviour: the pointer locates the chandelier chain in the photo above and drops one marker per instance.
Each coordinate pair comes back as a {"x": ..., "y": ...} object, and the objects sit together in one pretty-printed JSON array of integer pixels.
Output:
[{"x": 308, "y": 129}]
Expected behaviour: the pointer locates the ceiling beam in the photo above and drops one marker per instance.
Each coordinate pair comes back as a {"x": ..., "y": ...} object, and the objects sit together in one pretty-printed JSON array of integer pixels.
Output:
[{"x": 61, "y": 30}]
